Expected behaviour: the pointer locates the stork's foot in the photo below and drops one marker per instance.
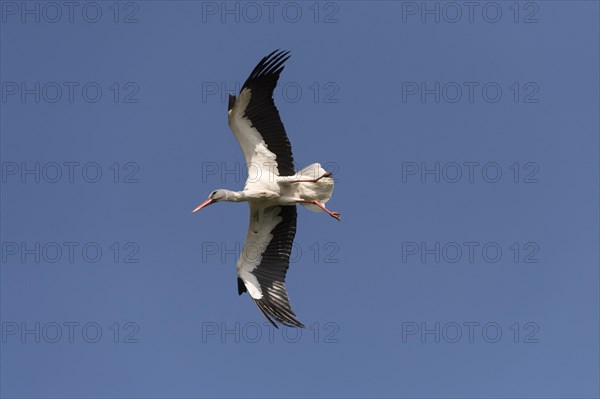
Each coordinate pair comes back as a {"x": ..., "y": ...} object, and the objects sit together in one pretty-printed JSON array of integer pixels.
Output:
[
  {"x": 328, "y": 174},
  {"x": 335, "y": 215}
]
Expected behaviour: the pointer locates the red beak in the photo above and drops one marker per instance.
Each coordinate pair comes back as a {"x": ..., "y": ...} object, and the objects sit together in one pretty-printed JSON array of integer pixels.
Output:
[{"x": 204, "y": 204}]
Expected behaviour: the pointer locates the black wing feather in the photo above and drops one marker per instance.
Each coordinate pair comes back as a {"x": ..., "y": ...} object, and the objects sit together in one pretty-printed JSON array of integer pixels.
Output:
[
  {"x": 262, "y": 112},
  {"x": 272, "y": 269},
  {"x": 241, "y": 286}
]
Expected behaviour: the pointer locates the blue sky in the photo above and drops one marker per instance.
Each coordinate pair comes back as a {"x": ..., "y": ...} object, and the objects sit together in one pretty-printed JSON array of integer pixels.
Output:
[{"x": 464, "y": 142}]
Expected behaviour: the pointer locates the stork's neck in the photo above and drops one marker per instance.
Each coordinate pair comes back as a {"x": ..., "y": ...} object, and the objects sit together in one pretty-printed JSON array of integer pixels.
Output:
[{"x": 235, "y": 196}]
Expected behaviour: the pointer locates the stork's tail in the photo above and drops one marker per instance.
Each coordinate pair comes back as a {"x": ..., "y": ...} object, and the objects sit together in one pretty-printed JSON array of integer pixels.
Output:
[{"x": 320, "y": 190}]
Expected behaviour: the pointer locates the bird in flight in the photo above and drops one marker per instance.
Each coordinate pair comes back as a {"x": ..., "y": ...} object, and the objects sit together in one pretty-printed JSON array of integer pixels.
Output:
[{"x": 273, "y": 194}]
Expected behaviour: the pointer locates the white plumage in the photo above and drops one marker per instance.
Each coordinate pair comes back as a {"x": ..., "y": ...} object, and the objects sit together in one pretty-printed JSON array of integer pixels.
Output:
[{"x": 272, "y": 196}]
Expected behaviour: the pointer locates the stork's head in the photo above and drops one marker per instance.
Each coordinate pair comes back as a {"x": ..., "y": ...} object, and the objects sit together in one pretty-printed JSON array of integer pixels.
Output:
[{"x": 215, "y": 196}]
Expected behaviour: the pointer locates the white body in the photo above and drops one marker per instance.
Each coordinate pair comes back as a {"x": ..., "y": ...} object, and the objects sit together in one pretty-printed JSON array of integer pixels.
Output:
[{"x": 280, "y": 190}]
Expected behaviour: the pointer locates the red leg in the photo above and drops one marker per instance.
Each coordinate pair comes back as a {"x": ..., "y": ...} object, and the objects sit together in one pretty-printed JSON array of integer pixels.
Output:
[
  {"x": 328, "y": 174},
  {"x": 335, "y": 215}
]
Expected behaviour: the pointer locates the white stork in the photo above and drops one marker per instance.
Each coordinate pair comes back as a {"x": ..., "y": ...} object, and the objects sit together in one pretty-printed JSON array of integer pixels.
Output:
[{"x": 272, "y": 197}]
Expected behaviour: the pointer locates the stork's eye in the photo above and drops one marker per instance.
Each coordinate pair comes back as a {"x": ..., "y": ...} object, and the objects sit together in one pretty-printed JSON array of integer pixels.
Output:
[{"x": 213, "y": 193}]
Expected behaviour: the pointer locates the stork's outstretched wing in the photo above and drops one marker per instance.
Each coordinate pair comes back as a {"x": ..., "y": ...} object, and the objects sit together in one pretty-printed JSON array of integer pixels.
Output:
[
  {"x": 255, "y": 120},
  {"x": 265, "y": 259}
]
